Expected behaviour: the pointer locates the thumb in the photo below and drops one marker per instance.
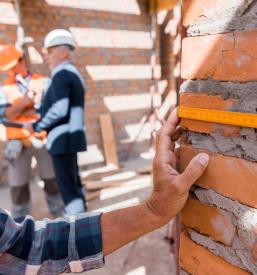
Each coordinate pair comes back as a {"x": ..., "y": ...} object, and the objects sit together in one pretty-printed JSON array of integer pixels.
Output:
[{"x": 193, "y": 171}]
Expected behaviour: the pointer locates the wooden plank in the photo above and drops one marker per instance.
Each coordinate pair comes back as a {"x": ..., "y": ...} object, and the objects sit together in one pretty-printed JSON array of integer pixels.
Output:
[
  {"x": 145, "y": 170},
  {"x": 92, "y": 195},
  {"x": 99, "y": 175},
  {"x": 109, "y": 143},
  {"x": 95, "y": 185},
  {"x": 101, "y": 184}
]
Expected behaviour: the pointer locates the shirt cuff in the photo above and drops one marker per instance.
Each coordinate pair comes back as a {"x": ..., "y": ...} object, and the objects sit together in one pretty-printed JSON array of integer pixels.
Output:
[
  {"x": 85, "y": 242},
  {"x": 2, "y": 112},
  {"x": 36, "y": 127}
]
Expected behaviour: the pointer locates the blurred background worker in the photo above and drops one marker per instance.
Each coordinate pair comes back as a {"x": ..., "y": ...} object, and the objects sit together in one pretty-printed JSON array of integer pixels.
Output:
[
  {"x": 62, "y": 116},
  {"x": 19, "y": 95}
]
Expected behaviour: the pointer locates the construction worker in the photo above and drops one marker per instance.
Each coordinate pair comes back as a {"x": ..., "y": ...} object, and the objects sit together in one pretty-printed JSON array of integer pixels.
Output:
[
  {"x": 81, "y": 242},
  {"x": 19, "y": 95},
  {"x": 62, "y": 116}
]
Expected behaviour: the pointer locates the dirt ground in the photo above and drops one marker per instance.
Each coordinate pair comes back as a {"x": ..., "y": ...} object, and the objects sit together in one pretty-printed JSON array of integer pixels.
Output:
[{"x": 150, "y": 255}]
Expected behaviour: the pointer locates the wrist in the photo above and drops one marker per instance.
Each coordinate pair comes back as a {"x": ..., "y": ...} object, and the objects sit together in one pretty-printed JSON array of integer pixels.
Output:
[
  {"x": 154, "y": 215},
  {"x": 36, "y": 127},
  {"x": 164, "y": 208},
  {"x": 122, "y": 226}
]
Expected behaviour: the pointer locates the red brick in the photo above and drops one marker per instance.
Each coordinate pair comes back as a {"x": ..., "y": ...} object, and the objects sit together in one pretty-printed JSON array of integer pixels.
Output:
[
  {"x": 232, "y": 177},
  {"x": 208, "y": 220},
  {"x": 254, "y": 251},
  {"x": 208, "y": 102},
  {"x": 227, "y": 57},
  {"x": 193, "y": 9},
  {"x": 197, "y": 260}
]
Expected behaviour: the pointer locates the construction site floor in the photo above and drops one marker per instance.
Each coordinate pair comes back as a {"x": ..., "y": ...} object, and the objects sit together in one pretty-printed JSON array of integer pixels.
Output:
[{"x": 150, "y": 255}]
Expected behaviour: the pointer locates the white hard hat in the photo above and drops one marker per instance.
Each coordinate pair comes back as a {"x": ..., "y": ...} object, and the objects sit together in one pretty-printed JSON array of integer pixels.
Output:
[{"x": 59, "y": 37}]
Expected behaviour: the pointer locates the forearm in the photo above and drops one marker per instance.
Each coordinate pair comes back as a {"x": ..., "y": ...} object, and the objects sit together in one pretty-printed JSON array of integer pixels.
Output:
[
  {"x": 122, "y": 226},
  {"x": 14, "y": 111}
]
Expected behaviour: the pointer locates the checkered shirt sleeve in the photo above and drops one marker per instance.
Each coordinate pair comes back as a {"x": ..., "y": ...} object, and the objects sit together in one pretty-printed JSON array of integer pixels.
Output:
[{"x": 50, "y": 247}]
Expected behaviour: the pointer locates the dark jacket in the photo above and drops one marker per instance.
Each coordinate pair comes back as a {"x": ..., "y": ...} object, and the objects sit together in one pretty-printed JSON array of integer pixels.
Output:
[{"x": 62, "y": 111}]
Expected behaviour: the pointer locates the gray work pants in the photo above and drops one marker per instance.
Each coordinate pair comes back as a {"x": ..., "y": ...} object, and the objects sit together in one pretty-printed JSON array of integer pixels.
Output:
[{"x": 19, "y": 172}]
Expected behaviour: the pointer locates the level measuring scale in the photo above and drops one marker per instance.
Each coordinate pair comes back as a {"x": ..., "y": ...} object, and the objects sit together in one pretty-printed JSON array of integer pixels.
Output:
[{"x": 224, "y": 117}]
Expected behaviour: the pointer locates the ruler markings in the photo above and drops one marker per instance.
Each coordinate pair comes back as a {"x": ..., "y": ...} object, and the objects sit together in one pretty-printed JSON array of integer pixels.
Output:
[{"x": 217, "y": 116}]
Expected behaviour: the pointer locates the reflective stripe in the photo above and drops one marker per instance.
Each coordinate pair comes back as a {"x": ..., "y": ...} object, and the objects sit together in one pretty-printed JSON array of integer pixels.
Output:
[
  {"x": 55, "y": 133},
  {"x": 76, "y": 119},
  {"x": 75, "y": 124},
  {"x": 57, "y": 112}
]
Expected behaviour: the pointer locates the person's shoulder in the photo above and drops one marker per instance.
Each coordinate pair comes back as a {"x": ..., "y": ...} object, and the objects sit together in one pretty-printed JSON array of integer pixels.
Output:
[
  {"x": 62, "y": 75},
  {"x": 67, "y": 75},
  {"x": 8, "y": 85},
  {"x": 61, "y": 79},
  {"x": 75, "y": 75},
  {"x": 38, "y": 76},
  {"x": 8, "y": 81}
]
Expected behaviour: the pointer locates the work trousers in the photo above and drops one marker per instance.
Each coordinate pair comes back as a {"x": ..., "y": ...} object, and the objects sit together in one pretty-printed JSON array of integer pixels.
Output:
[
  {"x": 69, "y": 182},
  {"x": 19, "y": 173}
]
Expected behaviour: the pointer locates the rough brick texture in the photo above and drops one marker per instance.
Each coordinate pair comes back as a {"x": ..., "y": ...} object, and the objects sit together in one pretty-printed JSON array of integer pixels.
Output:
[
  {"x": 199, "y": 261},
  {"x": 231, "y": 177},
  {"x": 242, "y": 250},
  {"x": 225, "y": 139},
  {"x": 219, "y": 68},
  {"x": 215, "y": 16},
  {"x": 208, "y": 220},
  {"x": 228, "y": 57}
]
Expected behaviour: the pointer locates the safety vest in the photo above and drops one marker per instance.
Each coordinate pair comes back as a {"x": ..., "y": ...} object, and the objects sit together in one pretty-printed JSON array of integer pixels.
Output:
[{"x": 37, "y": 83}]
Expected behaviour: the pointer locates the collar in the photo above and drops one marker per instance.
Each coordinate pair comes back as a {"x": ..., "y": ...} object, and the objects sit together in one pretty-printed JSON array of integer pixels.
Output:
[{"x": 59, "y": 67}]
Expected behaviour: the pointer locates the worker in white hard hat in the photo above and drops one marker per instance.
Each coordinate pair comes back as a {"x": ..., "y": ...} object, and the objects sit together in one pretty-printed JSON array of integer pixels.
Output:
[
  {"x": 62, "y": 116},
  {"x": 18, "y": 104}
]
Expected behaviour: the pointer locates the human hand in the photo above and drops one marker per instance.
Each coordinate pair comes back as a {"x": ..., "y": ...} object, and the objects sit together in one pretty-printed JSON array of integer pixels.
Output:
[
  {"x": 27, "y": 100},
  {"x": 171, "y": 189},
  {"x": 28, "y": 127},
  {"x": 31, "y": 94}
]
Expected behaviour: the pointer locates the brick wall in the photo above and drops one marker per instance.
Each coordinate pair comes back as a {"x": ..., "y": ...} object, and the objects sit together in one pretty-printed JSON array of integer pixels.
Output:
[
  {"x": 113, "y": 55},
  {"x": 220, "y": 72}
]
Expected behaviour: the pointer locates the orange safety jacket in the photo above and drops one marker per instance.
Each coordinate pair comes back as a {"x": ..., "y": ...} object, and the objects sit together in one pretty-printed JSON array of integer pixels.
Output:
[{"x": 13, "y": 95}]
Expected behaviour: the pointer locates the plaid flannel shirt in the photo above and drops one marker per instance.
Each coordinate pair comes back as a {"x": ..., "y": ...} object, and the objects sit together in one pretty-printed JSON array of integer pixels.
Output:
[{"x": 50, "y": 247}]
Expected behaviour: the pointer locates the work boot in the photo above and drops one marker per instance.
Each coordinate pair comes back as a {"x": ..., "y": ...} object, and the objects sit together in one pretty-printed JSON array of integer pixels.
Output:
[
  {"x": 53, "y": 198},
  {"x": 21, "y": 204}
]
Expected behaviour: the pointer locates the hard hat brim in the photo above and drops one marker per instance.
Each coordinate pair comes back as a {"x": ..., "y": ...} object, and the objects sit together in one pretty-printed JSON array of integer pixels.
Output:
[
  {"x": 9, "y": 56},
  {"x": 9, "y": 66},
  {"x": 59, "y": 37}
]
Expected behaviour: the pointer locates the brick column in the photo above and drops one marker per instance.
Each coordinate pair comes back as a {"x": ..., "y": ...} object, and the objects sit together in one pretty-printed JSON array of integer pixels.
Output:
[{"x": 219, "y": 68}]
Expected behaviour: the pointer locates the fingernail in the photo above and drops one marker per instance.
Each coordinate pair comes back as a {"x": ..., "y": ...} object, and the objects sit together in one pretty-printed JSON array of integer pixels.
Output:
[{"x": 203, "y": 158}]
